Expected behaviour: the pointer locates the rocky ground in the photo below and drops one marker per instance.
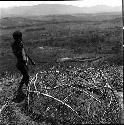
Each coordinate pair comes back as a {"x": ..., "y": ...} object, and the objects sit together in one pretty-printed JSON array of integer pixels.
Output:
[{"x": 65, "y": 95}]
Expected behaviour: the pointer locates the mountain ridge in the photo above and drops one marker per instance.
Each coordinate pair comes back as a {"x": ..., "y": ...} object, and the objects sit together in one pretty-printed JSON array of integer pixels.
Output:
[{"x": 53, "y": 9}]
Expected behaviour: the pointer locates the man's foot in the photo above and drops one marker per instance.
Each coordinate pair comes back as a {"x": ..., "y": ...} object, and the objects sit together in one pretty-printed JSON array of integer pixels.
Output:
[{"x": 19, "y": 97}]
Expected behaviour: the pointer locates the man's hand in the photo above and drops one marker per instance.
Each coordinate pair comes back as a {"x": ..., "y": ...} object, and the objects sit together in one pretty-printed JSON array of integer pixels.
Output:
[
  {"x": 33, "y": 63},
  {"x": 25, "y": 62}
]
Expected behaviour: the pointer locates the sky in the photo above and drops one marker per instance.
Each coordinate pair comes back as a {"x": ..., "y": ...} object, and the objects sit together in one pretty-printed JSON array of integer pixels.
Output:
[{"x": 80, "y": 3}]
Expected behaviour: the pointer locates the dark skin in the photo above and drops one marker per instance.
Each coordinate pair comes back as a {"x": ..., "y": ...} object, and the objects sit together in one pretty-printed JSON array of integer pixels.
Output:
[
  {"x": 23, "y": 53},
  {"x": 22, "y": 60},
  {"x": 22, "y": 64}
]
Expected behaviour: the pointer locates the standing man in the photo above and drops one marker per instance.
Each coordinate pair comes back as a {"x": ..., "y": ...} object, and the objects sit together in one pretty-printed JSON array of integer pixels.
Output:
[{"x": 22, "y": 64}]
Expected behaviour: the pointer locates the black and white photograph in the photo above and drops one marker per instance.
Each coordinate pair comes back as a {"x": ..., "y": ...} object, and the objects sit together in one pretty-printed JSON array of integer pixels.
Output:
[{"x": 61, "y": 62}]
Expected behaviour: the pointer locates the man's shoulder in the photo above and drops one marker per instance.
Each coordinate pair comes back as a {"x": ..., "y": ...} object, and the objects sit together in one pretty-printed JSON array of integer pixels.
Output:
[
  {"x": 21, "y": 44},
  {"x": 17, "y": 44}
]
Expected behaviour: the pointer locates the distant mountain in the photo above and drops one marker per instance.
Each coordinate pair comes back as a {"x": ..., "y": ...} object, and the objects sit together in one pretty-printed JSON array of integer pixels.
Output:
[
  {"x": 53, "y": 9},
  {"x": 102, "y": 9}
]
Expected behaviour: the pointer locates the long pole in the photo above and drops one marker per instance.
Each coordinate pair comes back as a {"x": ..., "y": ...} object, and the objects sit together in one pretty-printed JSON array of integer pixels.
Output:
[
  {"x": 123, "y": 12},
  {"x": 123, "y": 19}
]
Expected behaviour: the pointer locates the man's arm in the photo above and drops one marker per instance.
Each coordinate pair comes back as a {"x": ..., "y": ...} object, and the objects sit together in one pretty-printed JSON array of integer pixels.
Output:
[
  {"x": 33, "y": 63},
  {"x": 26, "y": 57}
]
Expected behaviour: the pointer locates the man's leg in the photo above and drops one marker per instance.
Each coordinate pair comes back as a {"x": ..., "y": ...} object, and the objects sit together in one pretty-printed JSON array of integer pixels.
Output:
[
  {"x": 20, "y": 95},
  {"x": 24, "y": 71}
]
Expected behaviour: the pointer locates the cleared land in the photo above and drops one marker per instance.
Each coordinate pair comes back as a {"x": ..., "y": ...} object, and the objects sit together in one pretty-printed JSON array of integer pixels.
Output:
[{"x": 75, "y": 83}]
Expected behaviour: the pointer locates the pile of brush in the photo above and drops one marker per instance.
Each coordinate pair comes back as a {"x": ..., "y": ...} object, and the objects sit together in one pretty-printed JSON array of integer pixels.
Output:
[{"x": 71, "y": 95}]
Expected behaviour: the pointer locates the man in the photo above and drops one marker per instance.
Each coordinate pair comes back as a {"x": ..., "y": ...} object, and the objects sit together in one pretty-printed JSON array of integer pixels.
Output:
[{"x": 22, "y": 66}]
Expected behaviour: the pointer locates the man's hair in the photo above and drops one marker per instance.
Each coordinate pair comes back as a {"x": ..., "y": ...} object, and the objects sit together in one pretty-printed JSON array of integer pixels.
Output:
[{"x": 17, "y": 35}]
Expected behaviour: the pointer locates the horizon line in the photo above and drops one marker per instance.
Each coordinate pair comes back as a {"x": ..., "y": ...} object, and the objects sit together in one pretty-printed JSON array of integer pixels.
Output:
[{"x": 16, "y": 6}]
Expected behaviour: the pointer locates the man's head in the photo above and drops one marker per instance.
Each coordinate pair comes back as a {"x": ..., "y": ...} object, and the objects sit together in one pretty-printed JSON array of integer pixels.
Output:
[{"x": 17, "y": 35}]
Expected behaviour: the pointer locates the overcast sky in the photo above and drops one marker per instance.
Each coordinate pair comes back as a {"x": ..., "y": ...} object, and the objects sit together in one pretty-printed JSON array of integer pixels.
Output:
[{"x": 80, "y": 3}]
